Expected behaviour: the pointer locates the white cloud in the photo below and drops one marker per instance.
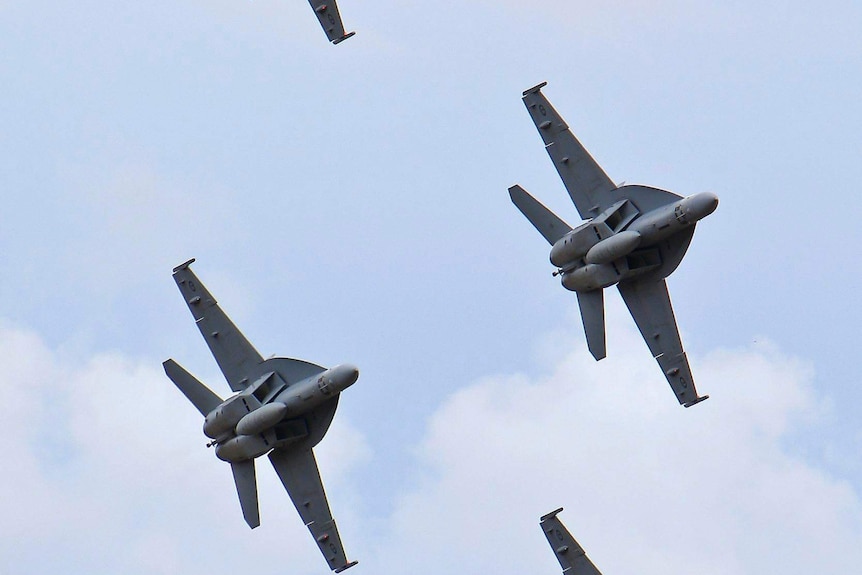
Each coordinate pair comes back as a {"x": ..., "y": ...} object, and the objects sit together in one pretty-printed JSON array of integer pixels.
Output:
[
  {"x": 648, "y": 486},
  {"x": 107, "y": 472},
  {"x": 106, "y": 455}
]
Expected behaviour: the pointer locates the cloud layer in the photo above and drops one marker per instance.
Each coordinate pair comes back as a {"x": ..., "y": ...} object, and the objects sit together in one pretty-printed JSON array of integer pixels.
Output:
[
  {"x": 108, "y": 471},
  {"x": 648, "y": 486}
]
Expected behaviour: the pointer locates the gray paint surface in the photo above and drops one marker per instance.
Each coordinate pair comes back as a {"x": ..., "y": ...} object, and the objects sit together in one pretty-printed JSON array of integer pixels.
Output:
[
  {"x": 329, "y": 17},
  {"x": 634, "y": 237},
  {"x": 572, "y": 557},
  {"x": 283, "y": 408}
]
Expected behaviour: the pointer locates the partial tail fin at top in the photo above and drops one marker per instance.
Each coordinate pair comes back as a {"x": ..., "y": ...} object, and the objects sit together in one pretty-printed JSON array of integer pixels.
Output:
[
  {"x": 572, "y": 557},
  {"x": 544, "y": 220},
  {"x": 196, "y": 392}
]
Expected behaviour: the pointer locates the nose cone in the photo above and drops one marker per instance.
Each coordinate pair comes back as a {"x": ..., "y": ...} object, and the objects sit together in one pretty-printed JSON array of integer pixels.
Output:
[
  {"x": 702, "y": 204},
  {"x": 342, "y": 376}
]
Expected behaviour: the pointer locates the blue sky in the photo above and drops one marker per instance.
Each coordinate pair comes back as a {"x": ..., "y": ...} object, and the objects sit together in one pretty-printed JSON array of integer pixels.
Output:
[{"x": 348, "y": 204}]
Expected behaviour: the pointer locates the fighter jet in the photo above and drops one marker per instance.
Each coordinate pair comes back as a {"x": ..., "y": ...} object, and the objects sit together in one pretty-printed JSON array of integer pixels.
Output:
[
  {"x": 330, "y": 19},
  {"x": 634, "y": 236},
  {"x": 572, "y": 557},
  {"x": 282, "y": 407}
]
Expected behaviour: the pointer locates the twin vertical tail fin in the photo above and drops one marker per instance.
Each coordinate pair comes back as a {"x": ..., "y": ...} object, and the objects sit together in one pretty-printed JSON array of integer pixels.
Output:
[
  {"x": 206, "y": 401},
  {"x": 552, "y": 228},
  {"x": 246, "y": 487},
  {"x": 592, "y": 304}
]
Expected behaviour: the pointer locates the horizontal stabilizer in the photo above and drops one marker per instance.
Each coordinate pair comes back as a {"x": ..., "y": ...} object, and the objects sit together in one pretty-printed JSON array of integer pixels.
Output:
[
  {"x": 246, "y": 488},
  {"x": 549, "y": 225},
  {"x": 196, "y": 392},
  {"x": 592, "y": 304}
]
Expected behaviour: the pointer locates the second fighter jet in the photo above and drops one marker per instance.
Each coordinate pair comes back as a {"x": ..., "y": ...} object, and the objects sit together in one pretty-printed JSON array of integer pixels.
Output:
[{"x": 633, "y": 237}]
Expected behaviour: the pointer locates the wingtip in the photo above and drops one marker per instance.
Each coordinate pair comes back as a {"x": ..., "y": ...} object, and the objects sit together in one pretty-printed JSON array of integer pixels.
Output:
[
  {"x": 343, "y": 38},
  {"x": 535, "y": 88},
  {"x": 696, "y": 401},
  {"x": 184, "y": 265},
  {"x": 346, "y": 567},
  {"x": 550, "y": 515}
]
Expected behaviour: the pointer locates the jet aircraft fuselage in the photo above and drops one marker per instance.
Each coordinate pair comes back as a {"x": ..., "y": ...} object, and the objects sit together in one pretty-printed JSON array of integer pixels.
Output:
[
  {"x": 614, "y": 246},
  {"x": 632, "y": 236},
  {"x": 244, "y": 428},
  {"x": 282, "y": 407}
]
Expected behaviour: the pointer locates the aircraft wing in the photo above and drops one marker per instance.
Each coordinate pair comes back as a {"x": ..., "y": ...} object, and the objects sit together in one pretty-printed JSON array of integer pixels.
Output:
[
  {"x": 298, "y": 471},
  {"x": 330, "y": 19},
  {"x": 584, "y": 179},
  {"x": 649, "y": 303},
  {"x": 572, "y": 557},
  {"x": 232, "y": 351}
]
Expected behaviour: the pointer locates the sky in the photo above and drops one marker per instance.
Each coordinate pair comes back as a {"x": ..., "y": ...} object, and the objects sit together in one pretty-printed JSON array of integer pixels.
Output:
[{"x": 348, "y": 204}]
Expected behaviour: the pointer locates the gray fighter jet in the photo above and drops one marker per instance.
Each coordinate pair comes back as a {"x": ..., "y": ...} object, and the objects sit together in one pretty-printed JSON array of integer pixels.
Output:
[
  {"x": 572, "y": 557},
  {"x": 282, "y": 407},
  {"x": 634, "y": 236},
  {"x": 330, "y": 19}
]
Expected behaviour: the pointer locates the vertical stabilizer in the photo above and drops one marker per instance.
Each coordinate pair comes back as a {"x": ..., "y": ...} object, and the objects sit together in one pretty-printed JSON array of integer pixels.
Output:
[
  {"x": 246, "y": 488},
  {"x": 592, "y": 304}
]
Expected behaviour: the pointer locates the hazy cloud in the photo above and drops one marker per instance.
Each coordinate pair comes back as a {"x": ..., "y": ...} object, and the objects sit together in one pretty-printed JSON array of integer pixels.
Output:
[
  {"x": 648, "y": 486},
  {"x": 108, "y": 463}
]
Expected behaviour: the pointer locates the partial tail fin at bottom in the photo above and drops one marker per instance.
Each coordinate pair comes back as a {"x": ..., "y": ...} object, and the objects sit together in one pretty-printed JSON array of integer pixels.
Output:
[
  {"x": 246, "y": 488},
  {"x": 592, "y": 304},
  {"x": 571, "y": 556}
]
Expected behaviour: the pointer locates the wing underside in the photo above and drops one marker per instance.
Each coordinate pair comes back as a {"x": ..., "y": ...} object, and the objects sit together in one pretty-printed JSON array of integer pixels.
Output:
[
  {"x": 330, "y": 19},
  {"x": 649, "y": 303},
  {"x": 236, "y": 357},
  {"x": 297, "y": 469},
  {"x": 572, "y": 557},
  {"x": 584, "y": 179}
]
